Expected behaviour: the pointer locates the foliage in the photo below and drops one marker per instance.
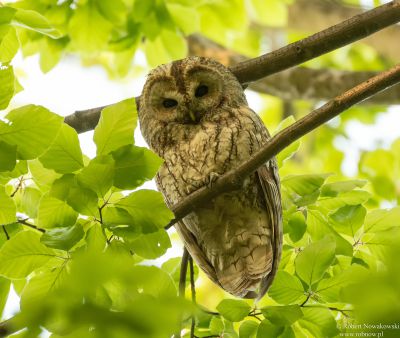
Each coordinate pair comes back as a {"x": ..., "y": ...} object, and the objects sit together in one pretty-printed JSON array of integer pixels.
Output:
[{"x": 78, "y": 236}]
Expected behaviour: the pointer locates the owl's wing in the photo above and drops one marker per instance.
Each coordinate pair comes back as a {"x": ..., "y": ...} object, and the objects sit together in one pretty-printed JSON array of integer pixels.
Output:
[
  {"x": 195, "y": 251},
  {"x": 269, "y": 181},
  {"x": 190, "y": 241}
]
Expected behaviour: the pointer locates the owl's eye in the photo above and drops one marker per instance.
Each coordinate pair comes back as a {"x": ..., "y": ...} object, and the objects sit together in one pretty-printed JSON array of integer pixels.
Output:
[
  {"x": 201, "y": 91},
  {"x": 169, "y": 103}
]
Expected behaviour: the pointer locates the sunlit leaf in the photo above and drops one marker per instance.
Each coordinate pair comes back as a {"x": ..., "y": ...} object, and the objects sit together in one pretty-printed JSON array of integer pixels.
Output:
[
  {"x": 63, "y": 238},
  {"x": 133, "y": 166},
  {"x": 55, "y": 213},
  {"x": 35, "y": 21},
  {"x": 8, "y": 156},
  {"x": 151, "y": 245},
  {"x": 319, "y": 322},
  {"x": 233, "y": 310},
  {"x": 7, "y": 82},
  {"x": 116, "y": 126},
  {"x": 64, "y": 155},
  {"x": 7, "y": 209},
  {"x": 147, "y": 208},
  {"x": 22, "y": 254},
  {"x": 33, "y": 129},
  {"x": 312, "y": 262},
  {"x": 286, "y": 288},
  {"x": 282, "y": 315}
]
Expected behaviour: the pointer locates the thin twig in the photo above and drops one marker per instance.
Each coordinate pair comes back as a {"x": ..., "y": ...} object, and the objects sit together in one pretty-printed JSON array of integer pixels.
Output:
[
  {"x": 182, "y": 281},
  {"x": 233, "y": 180},
  {"x": 5, "y": 232},
  {"x": 33, "y": 226},
  {"x": 337, "y": 36},
  {"x": 193, "y": 291},
  {"x": 21, "y": 179}
]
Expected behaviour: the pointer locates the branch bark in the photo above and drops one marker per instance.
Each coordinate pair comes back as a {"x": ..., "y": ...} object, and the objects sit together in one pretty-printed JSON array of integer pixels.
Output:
[
  {"x": 233, "y": 180},
  {"x": 315, "y": 45},
  {"x": 295, "y": 83},
  {"x": 348, "y": 31}
]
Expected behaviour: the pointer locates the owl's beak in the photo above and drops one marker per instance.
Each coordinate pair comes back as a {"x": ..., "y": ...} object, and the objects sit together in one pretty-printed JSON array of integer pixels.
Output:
[{"x": 192, "y": 116}]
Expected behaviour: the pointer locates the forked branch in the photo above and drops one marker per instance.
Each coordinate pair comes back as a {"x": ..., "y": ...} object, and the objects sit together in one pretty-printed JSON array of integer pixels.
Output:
[{"x": 334, "y": 37}]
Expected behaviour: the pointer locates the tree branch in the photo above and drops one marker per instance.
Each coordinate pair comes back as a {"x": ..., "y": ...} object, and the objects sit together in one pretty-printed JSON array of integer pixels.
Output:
[
  {"x": 182, "y": 282},
  {"x": 315, "y": 45},
  {"x": 332, "y": 38},
  {"x": 295, "y": 83},
  {"x": 233, "y": 180},
  {"x": 193, "y": 291}
]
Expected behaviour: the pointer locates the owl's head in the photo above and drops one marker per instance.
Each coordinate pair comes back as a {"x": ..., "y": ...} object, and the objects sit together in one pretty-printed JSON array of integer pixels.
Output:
[{"x": 187, "y": 92}]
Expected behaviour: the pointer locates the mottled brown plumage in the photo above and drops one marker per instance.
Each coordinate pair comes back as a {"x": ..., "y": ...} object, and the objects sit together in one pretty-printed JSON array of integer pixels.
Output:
[{"x": 195, "y": 116}]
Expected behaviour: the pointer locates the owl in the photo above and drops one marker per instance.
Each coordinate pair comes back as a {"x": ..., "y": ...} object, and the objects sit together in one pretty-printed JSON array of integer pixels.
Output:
[{"x": 194, "y": 114}]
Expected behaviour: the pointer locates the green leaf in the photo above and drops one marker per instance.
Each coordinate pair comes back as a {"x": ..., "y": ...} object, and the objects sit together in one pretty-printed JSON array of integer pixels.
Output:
[
  {"x": 312, "y": 262},
  {"x": 289, "y": 151},
  {"x": 55, "y": 213},
  {"x": 34, "y": 21},
  {"x": 83, "y": 200},
  {"x": 166, "y": 47},
  {"x": 286, "y": 288},
  {"x": 381, "y": 220},
  {"x": 98, "y": 175},
  {"x": 40, "y": 287},
  {"x": 23, "y": 254},
  {"x": 333, "y": 189},
  {"x": 7, "y": 82},
  {"x": 63, "y": 238},
  {"x": 185, "y": 17},
  {"x": 319, "y": 322},
  {"x": 354, "y": 197},
  {"x": 173, "y": 267},
  {"x": 296, "y": 226},
  {"x": 6, "y": 14},
  {"x": 304, "y": 184},
  {"x": 349, "y": 219},
  {"x": 64, "y": 155},
  {"x": 8, "y": 156},
  {"x": 134, "y": 166},
  {"x": 267, "y": 329},
  {"x": 216, "y": 325},
  {"x": 88, "y": 29},
  {"x": 154, "y": 281},
  {"x": 233, "y": 310},
  {"x": 51, "y": 52},
  {"x": 95, "y": 238},
  {"x": 30, "y": 201},
  {"x": 318, "y": 227},
  {"x": 282, "y": 315},
  {"x": 7, "y": 209},
  {"x": 116, "y": 127},
  {"x": 42, "y": 177},
  {"x": 147, "y": 208},
  {"x": 113, "y": 10},
  {"x": 248, "y": 329},
  {"x": 8, "y": 43},
  {"x": 151, "y": 245},
  {"x": 33, "y": 129},
  {"x": 4, "y": 291}
]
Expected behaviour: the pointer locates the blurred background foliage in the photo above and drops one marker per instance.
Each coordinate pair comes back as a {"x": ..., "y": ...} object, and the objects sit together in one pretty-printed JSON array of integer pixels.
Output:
[{"x": 84, "y": 246}]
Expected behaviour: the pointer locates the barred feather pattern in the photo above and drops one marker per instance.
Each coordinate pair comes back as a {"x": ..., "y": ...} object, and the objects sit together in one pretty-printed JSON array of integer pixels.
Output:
[{"x": 235, "y": 238}]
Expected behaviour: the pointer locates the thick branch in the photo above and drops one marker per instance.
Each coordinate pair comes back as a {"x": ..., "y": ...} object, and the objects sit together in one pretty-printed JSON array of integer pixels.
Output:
[
  {"x": 334, "y": 37},
  {"x": 296, "y": 83},
  {"x": 315, "y": 15},
  {"x": 233, "y": 180}
]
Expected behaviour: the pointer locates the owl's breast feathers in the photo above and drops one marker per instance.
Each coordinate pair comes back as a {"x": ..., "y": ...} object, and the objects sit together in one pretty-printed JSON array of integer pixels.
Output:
[{"x": 235, "y": 238}]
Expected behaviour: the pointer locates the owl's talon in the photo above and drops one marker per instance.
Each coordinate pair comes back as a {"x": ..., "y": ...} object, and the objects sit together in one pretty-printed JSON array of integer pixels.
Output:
[{"x": 212, "y": 178}]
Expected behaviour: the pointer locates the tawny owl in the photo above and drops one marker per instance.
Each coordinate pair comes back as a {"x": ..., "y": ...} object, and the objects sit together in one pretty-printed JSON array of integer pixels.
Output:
[{"x": 193, "y": 114}]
